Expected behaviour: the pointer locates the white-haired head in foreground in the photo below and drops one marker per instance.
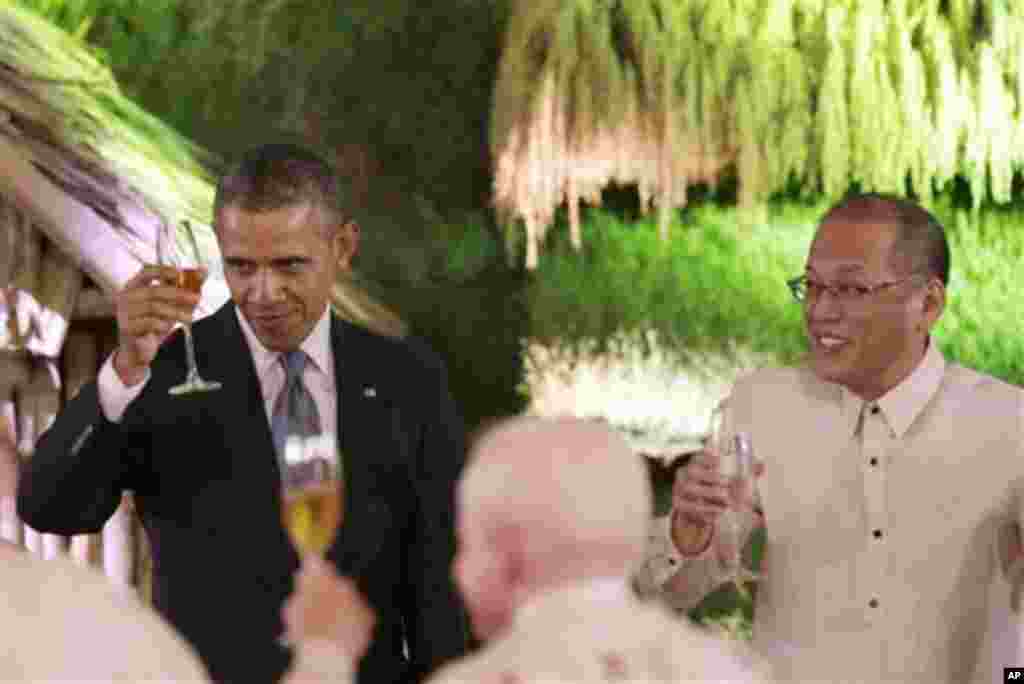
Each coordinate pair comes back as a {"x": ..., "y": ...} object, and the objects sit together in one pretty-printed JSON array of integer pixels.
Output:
[{"x": 543, "y": 503}]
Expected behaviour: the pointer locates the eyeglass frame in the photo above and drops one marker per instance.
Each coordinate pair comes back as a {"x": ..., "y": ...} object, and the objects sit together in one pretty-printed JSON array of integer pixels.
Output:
[{"x": 863, "y": 291}]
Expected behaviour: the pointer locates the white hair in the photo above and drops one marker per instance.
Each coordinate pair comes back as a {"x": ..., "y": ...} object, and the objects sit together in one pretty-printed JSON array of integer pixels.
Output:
[{"x": 564, "y": 481}]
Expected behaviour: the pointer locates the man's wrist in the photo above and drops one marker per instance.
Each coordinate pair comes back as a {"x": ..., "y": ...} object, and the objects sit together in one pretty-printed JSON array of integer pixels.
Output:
[
  {"x": 128, "y": 374},
  {"x": 324, "y": 659}
]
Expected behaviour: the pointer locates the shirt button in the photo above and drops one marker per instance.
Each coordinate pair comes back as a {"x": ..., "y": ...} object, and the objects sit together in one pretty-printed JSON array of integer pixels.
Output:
[
  {"x": 873, "y": 603},
  {"x": 878, "y": 534},
  {"x": 873, "y": 461},
  {"x": 875, "y": 410}
]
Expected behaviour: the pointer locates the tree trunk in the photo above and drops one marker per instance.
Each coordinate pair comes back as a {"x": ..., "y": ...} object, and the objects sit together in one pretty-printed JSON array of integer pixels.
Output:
[
  {"x": 572, "y": 196},
  {"x": 92, "y": 304}
]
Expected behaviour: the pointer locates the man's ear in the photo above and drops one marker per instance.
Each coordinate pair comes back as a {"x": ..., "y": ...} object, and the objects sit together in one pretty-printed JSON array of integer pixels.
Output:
[
  {"x": 345, "y": 245},
  {"x": 934, "y": 302}
]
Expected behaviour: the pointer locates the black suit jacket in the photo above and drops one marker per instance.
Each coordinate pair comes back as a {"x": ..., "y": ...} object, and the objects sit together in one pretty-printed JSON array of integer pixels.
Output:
[{"x": 205, "y": 478}]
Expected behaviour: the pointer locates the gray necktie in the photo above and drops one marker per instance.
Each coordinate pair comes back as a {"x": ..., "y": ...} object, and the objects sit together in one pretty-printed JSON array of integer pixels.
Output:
[{"x": 295, "y": 412}]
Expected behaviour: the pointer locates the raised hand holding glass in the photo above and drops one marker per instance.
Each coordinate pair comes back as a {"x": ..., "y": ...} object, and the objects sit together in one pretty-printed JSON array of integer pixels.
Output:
[
  {"x": 736, "y": 464},
  {"x": 190, "y": 277}
]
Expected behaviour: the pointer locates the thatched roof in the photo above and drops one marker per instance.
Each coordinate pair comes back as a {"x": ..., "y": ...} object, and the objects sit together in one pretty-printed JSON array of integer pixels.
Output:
[
  {"x": 98, "y": 176},
  {"x": 69, "y": 136}
]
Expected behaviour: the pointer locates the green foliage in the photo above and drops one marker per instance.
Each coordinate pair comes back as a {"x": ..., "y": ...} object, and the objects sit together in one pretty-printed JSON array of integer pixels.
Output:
[
  {"x": 464, "y": 301},
  {"x": 713, "y": 286},
  {"x": 982, "y": 324},
  {"x": 92, "y": 114},
  {"x": 408, "y": 82}
]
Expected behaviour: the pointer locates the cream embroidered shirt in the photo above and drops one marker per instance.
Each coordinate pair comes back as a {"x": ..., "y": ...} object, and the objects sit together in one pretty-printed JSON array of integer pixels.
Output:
[{"x": 883, "y": 522}]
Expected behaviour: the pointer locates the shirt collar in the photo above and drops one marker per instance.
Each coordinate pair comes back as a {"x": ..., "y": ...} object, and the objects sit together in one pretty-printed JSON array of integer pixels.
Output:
[
  {"x": 903, "y": 403},
  {"x": 316, "y": 345},
  {"x": 602, "y": 590}
]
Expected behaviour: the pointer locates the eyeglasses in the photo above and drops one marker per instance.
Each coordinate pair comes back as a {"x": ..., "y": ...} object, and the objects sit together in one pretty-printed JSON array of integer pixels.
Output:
[{"x": 803, "y": 288}]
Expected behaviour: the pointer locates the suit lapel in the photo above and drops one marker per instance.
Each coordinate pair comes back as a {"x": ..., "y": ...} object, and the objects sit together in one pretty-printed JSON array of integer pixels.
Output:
[
  {"x": 241, "y": 398},
  {"x": 358, "y": 426}
]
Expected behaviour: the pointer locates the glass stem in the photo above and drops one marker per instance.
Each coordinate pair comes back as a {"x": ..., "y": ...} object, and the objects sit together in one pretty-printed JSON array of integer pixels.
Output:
[{"x": 190, "y": 354}]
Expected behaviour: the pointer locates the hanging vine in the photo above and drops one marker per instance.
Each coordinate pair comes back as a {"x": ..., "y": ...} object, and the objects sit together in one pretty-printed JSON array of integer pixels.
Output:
[{"x": 896, "y": 95}]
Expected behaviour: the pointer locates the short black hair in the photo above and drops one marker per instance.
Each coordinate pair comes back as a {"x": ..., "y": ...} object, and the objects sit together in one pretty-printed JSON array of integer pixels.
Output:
[
  {"x": 920, "y": 238},
  {"x": 277, "y": 175}
]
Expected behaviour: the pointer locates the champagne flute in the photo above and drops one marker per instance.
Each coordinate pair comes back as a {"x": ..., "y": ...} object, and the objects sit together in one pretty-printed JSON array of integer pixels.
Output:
[
  {"x": 736, "y": 463},
  {"x": 189, "y": 278},
  {"x": 312, "y": 497},
  {"x": 312, "y": 502}
]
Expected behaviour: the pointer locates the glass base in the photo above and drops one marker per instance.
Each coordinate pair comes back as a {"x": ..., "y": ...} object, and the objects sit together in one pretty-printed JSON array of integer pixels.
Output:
[{"x": 194, "y": 385}]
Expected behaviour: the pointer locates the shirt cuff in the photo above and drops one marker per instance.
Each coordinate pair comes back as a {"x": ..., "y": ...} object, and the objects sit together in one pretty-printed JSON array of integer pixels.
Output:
[
  {"x": 114, "y": 394},
  {"x": 324, "y": 659}
]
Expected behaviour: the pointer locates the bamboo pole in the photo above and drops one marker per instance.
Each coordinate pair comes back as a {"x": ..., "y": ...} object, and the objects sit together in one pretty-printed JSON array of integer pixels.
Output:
[
  {"x": 10, "y": 258},
  {"x": 14, "y": 376},
  {"x": 56, "y": 293},
  {"x": 10, "y": 526},
  {"x": 81, "y": 362},
  {"x": 30, "y": 247},
  {"x": 92, "y": 304}
]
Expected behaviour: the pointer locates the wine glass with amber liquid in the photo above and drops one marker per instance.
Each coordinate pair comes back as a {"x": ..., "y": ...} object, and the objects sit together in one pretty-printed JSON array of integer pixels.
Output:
[
  {"x": 189, "y": 277},
  {"x": 312, "y": 492}
]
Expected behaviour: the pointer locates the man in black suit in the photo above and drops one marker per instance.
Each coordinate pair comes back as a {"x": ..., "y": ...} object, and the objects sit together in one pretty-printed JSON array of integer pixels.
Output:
[{"x": 203, "y": 467}]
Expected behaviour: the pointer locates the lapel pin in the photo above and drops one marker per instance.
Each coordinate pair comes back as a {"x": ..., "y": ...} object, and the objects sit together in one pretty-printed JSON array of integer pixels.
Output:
[{"x": 370, "y": 392}]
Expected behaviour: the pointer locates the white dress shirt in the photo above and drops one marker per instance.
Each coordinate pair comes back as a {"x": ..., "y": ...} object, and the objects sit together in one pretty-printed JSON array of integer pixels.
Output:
[{"x": 318, "y": 375}]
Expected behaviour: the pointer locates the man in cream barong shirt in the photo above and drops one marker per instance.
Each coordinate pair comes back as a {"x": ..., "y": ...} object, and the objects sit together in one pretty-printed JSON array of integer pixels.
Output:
[
  {"x": 552, "y": 518},
  {"x": 890, "y": 478}
]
